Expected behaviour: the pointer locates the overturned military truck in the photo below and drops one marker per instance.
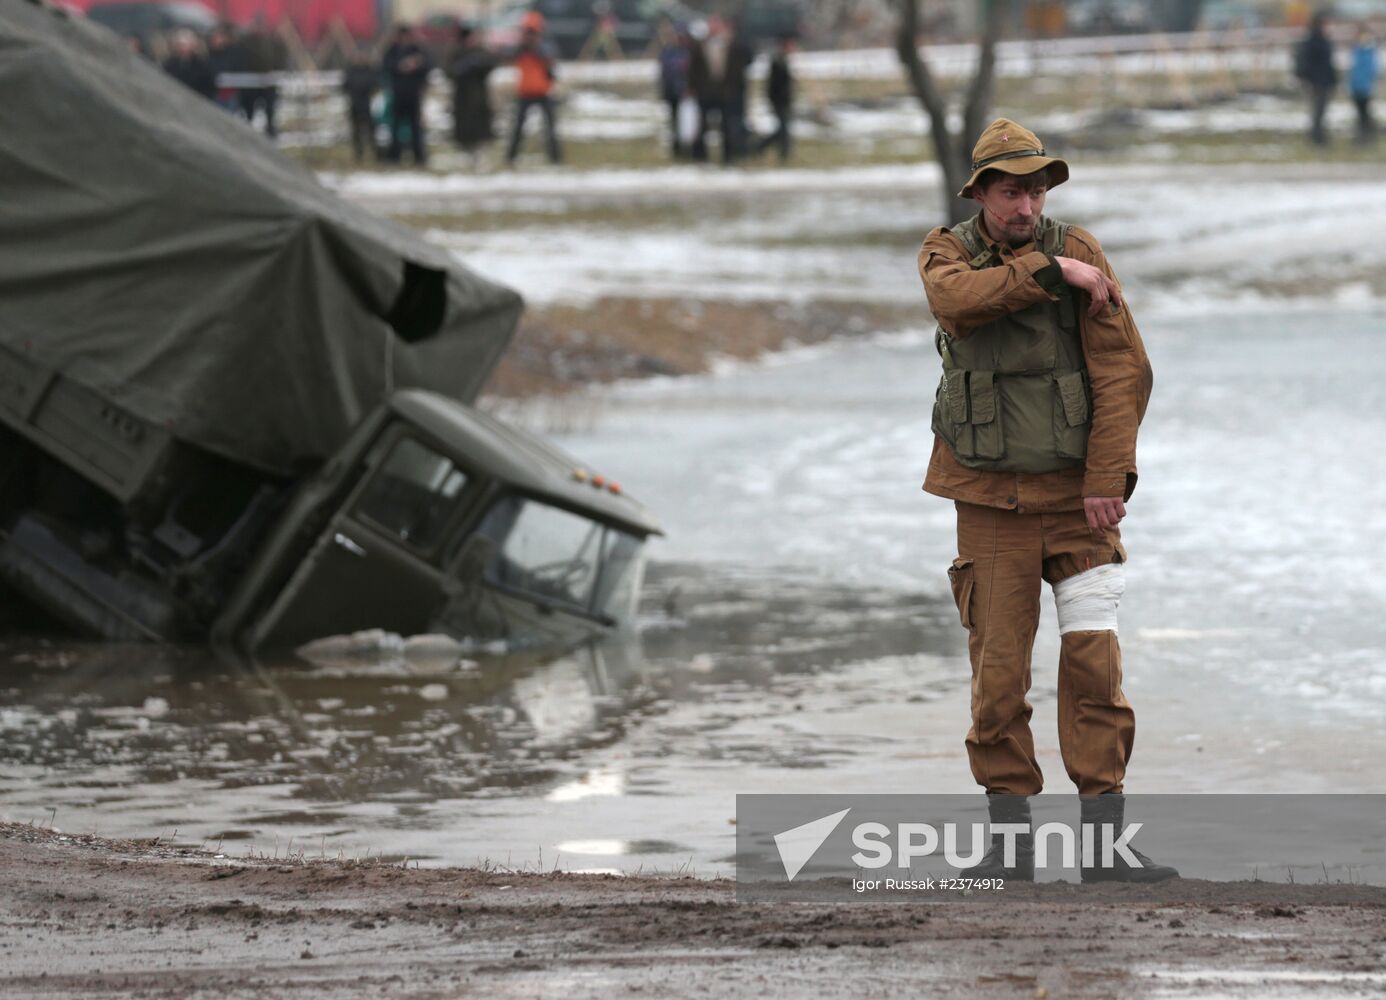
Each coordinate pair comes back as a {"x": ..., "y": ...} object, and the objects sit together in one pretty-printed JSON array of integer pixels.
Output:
[{"x": 234, "y": 407}]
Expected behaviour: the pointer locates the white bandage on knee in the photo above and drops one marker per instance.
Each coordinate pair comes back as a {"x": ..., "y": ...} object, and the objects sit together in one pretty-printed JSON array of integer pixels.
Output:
[{"x": 1088, "y": 602}]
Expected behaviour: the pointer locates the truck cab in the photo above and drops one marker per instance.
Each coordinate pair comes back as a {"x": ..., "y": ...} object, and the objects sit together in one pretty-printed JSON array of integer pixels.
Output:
[
  {"x": 438, "y": 517},
  {"x": 432, "y": 517}
]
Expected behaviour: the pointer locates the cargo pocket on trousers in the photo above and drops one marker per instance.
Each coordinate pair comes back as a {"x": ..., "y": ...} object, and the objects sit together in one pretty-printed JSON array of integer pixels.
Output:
[{"x": 960, "y": 578}]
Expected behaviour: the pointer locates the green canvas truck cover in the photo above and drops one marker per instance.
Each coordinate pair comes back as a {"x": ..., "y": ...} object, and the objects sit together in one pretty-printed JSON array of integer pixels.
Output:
[{"x": 157, "y": 250}]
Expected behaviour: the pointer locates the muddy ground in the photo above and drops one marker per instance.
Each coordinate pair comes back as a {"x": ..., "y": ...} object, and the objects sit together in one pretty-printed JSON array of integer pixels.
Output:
[
  {"x": 562, "y": 348},
  {"x": 81, "y": 916}
]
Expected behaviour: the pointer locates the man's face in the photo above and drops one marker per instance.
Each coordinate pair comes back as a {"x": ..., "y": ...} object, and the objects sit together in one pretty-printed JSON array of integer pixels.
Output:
[{"x": 1011, "y": 206}]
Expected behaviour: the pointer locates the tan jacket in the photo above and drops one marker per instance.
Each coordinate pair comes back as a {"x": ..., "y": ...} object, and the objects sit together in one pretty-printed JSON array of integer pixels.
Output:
[{"x": 1119, "y": 372}]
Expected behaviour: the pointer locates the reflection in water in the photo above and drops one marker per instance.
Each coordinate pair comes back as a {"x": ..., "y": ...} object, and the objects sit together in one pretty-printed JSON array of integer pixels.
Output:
[
  {"x": 593, "y": 783},
  {"x": 378, "y": 740},
  {"x": 340, "y": 732}
]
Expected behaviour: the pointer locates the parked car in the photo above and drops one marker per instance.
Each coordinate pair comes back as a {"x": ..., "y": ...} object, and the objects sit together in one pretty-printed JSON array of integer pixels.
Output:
[
  {"x": 1108, "y": 17},
  {"x": 570, "y": 24},
  {"x": 1230, "y": 15},
  {"x": 766, "y": 20},
  {"x": 1359, "y": 11},
  {"x": 149, "y": 22}
]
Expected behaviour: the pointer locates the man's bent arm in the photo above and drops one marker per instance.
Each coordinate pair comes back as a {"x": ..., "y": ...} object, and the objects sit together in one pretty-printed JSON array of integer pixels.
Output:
[
  {"x": 962, "y": 298},
  {"x": 1120, "y": 379}
]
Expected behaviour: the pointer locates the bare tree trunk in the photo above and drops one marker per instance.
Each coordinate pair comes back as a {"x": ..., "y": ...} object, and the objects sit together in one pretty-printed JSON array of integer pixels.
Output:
[{"x": 952, "y": 152}]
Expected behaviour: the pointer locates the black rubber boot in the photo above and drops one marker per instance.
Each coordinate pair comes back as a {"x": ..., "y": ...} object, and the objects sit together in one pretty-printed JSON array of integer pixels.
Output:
[
  {"x": 1007, "y": 809},
  {"x": 1100, "y": 809}
]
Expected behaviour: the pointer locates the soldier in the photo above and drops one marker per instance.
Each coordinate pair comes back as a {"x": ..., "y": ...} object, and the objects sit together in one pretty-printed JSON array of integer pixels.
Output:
[{"x": 1045, "y": 382}]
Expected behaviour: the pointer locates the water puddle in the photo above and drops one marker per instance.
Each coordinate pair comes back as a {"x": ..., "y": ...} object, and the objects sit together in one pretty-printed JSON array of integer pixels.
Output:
[
  {"x": 390, "y": 754},
  {"x": 1215, "y": 984}
]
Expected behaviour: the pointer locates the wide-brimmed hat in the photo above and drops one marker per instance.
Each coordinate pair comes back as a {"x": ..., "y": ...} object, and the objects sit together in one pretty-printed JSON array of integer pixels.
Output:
[{"x": 1013, "y": 149}]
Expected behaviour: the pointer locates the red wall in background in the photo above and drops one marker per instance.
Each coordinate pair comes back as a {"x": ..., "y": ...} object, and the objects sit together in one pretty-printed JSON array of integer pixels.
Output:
[{"x": 310, "y": 17}]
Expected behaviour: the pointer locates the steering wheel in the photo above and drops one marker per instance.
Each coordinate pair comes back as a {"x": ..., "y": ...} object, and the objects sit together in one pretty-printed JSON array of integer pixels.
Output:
[{"x": 561, "y": 573}]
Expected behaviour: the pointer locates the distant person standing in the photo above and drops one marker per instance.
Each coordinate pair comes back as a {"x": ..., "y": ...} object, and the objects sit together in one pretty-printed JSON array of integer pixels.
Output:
[
  {"x": 535, "y": 61},
  {"x": 470, "y": 66},
  {"x": 736, "y": 78},
  {"x": 779, "y": 88},
  {"x": 360, "y": 82},
  {"x": 701, "y": 88},
  {"x": 265, "y": 55},
  {"x": 189, "y": 66},
  {"x": 1362, "y": 81},
  {"x": 224, "y": 56},
  {"x": 1314, "y": 67},
  {"x": 407, "y": 66},
  {"x": 674, "y": 61},
  {"x": 713, "y": 88}
]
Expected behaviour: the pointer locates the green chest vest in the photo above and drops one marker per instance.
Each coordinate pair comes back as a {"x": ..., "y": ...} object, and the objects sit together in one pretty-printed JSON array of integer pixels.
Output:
[{"x": 1014, "y": 394}]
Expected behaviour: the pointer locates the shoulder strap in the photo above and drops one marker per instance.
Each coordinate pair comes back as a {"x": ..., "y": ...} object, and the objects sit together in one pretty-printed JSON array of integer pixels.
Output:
[
  {"x": 972, "y": 240},
  {"x": 982, "y": 254},
  {"x": 1050, "y": 239},
  {"x": 1052, "y": 235}
]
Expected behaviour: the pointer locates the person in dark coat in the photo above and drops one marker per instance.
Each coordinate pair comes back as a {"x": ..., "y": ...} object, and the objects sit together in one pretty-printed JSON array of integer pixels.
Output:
[
  {"x": 263, "y": 53},
  {"x": 360, "y": 82},
  {"x": 674, "y": 61},
  {"x": 779, "y": 88},
  {"x": 701, "y": 88},
  {"x": 735, "y": 82},
  {"x": 1314, "y": 67},
  {"x": 407, "y": 66},
  {"x": 224, "y": 56},
  {"x": 189, "y": 66},
  {"x": 470, "y": 66}
]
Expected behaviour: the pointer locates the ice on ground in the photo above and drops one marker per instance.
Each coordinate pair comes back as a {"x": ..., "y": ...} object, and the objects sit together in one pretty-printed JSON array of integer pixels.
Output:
[
  {"x": 1186, "y": 240},
  {"x": 384, "y": 652}
]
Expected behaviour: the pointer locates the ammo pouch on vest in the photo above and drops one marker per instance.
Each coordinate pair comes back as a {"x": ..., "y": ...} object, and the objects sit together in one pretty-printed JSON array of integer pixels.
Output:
[{"x": 1014, "y": 395}]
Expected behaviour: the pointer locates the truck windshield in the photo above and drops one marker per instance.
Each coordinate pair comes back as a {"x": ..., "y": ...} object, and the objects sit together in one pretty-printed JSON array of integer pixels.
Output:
[{"x": 562, "y": 557}]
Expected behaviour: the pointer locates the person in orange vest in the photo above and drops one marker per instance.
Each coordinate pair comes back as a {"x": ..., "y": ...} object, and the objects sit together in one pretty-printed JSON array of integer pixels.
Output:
[{"x": 535, "y": 61}]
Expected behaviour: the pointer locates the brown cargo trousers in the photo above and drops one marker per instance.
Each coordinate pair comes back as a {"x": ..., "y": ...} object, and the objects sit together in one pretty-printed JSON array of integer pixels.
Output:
[{"x": 1002, "y": 557}]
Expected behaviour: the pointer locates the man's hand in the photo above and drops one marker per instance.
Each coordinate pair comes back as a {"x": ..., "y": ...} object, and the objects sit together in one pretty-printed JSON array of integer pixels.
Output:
[
  {"x": 1103, "y": 512},
  {"x": 1092, "y": 280}
]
